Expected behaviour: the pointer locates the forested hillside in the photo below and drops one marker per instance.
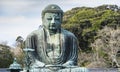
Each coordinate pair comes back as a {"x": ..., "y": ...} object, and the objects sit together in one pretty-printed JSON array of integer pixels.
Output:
[{"x": 86, "y": 23}]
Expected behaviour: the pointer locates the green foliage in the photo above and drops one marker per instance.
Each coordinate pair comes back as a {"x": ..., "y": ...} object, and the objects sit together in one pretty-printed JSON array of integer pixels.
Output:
[
  {"x": 6, "y": 57},
  {"x": 84, "y": 22}
]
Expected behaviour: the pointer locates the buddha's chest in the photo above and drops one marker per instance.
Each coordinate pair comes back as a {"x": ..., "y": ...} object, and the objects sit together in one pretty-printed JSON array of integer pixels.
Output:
[{"x": 53, "y": 49}]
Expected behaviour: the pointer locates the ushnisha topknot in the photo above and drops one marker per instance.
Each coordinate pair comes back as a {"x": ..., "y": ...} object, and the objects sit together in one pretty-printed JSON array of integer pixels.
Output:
[{"x": 52, "y": 8}]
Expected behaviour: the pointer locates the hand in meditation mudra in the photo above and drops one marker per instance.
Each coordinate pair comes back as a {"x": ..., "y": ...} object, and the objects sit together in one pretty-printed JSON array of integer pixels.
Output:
[{"x": 52, "y": 45}]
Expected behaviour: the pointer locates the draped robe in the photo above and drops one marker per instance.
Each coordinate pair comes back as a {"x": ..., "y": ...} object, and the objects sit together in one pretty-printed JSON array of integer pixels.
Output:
[{"x": 67, "y": 47}]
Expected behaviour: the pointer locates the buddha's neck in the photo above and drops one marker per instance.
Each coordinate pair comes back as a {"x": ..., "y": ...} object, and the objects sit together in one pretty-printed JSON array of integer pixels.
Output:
[{"x": 53, "y": 32}]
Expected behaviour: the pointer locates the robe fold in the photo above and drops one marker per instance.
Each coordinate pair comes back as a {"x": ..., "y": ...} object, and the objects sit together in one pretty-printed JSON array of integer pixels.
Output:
[{"x": 65, "y": 51}]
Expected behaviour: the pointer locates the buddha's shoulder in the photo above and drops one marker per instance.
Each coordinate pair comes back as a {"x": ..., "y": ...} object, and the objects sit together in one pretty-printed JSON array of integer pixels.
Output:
[
  {"x": 68, "y": 33},
  {"x": 35, "y": 32}
]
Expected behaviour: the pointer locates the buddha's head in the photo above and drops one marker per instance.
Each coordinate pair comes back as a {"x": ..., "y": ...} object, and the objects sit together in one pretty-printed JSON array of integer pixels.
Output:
[{"x": 52, "y": 17}]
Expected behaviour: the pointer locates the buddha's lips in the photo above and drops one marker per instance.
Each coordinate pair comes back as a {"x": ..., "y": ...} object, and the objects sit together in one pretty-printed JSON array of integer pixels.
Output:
[{"x": 52, "y": 27}]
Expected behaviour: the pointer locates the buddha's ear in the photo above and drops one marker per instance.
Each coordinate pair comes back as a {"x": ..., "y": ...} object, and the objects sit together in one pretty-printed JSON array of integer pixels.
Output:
[
  {"x": 43, "y": 20},
  {"x": 61, "y": 17}
]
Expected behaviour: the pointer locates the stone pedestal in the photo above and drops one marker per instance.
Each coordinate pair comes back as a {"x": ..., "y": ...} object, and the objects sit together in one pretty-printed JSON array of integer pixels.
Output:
[{"x": 77, "y": 69}]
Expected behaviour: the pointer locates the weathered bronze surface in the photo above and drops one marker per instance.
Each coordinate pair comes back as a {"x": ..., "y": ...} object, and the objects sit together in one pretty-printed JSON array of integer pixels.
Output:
[{"x": 54, "y": 47}]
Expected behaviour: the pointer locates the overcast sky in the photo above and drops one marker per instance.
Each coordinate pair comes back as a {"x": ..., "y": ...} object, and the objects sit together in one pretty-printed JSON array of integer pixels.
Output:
[{"x": 20, "y": 17}]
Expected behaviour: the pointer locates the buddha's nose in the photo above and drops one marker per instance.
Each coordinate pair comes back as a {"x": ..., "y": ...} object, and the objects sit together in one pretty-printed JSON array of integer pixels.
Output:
[{"x": 53, "y": 21}]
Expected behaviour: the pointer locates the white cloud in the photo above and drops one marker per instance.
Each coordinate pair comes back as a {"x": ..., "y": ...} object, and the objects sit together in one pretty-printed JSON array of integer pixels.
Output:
[
  {"x": 12, "y": 27},
  {"x": 23, "y": 7},
  {"x": 17, "y": 7}
]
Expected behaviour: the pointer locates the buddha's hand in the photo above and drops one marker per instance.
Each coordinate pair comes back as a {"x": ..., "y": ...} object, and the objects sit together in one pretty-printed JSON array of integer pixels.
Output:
[
  {"x": 68, "y": 63},
  {"x": 38, "y": 64}
]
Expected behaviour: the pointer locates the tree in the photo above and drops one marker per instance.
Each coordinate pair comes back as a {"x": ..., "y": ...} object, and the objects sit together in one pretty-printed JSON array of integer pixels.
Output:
[
  {"x": 6, "y": 57},
  {"x": 20, "y": 42},
  {"x": 18, "y": 51},
  {"x": 107, "y": 45}
]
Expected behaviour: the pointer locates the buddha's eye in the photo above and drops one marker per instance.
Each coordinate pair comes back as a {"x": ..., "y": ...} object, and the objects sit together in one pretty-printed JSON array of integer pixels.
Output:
[
  {"x": 57, "y": 18},
  {"x": 49, "y": 18}
]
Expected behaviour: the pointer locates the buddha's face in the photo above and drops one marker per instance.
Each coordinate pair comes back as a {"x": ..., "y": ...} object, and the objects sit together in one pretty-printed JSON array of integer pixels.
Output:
[{"x": 52, "y": 21}]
